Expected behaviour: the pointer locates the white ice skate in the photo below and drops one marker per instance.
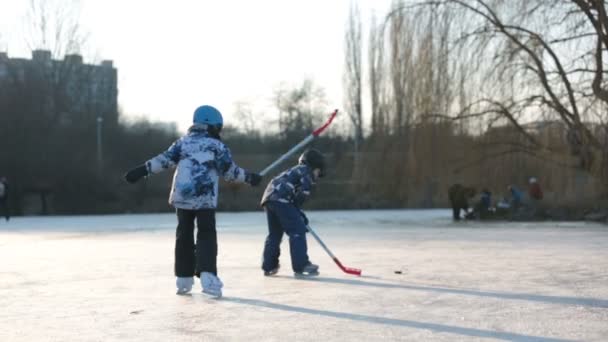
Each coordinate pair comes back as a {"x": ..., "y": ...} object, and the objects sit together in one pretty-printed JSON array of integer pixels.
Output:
[
  {"x": 184, "y": 285},
  {"x": 212, "y": 285},
  {"x": 309, "y": 270}
]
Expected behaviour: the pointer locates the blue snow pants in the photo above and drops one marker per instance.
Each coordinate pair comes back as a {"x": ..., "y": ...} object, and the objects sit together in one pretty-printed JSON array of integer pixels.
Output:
[{"x": 285, "y": 218}]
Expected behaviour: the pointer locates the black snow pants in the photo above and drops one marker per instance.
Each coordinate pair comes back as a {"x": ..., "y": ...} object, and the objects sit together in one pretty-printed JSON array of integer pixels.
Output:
[
  {"x": 456, "y": 212},
  {"x": 190, "y": 258}
]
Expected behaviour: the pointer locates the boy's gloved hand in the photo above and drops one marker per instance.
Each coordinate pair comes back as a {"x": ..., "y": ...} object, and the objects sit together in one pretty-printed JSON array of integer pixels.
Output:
[
  {"x": 253, "y": 178},
  {"x": 304, "y": 218},
  {"x": 136, "y": 174}
]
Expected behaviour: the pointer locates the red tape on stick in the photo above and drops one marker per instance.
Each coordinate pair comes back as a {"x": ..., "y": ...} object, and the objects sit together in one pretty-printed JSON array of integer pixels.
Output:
[
  {"x": 322, "y": 128},
  {"x": 300, "y": 145}
]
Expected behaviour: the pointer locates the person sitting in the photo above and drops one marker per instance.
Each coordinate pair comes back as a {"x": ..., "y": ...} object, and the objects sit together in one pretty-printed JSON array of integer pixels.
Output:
[
  {"x": 482, "y": 207},
  {"x": 485, "y": 203}
]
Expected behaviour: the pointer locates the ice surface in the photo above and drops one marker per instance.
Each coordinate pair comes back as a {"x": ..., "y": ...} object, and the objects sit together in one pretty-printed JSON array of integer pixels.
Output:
[{"x": 109, "y": 278}]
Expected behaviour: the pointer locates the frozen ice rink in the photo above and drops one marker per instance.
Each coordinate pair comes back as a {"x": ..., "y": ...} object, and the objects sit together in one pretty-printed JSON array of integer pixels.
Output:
[{"x": 110, "y": 278}]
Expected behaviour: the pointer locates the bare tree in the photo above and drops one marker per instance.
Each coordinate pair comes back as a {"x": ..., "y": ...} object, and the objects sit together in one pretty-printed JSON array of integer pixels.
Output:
[
  {"x": 54, "y": 25},
  {"x": 353, "y": 76},
  {"x": 536, "y": 61},
  {"x": 376, "y": 80},
  {"x": 299, "y": 108},
  {"x": 245, "y": 115},
  {"x": 58, "y": 101}
]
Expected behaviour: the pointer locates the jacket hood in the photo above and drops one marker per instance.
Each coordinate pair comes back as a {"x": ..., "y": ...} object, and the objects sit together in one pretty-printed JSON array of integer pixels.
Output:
[{"x": 198, "y": 129}]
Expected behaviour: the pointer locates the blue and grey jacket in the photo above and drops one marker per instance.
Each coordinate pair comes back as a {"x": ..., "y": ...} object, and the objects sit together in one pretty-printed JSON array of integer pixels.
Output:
[
  {"x": 199, "y": 161},
  {"x": 291, "y": 186}
]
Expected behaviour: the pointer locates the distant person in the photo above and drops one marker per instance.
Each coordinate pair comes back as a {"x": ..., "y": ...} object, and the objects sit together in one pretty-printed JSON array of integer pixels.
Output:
[
  {"x": 459, "y": 197},
  {"x": 282, "y": 201},
  {"x": 516, "y": 197},
  {"x": 482, "y": 208},
  {"x": 4, "y": 198},
  {"x": 486, "y": 199},
  {"x": 534, "y": 190},
  {"x": 200, "y": 158}
]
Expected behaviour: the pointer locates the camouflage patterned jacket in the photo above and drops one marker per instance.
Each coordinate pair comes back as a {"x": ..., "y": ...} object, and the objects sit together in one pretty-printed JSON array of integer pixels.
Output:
[
  {"x": 199, "y": 161},
  {"x": 291, "y": 186}
]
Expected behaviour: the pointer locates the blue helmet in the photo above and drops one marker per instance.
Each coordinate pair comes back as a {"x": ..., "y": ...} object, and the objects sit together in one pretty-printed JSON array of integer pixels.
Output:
[{"x": 207, "y": 115}]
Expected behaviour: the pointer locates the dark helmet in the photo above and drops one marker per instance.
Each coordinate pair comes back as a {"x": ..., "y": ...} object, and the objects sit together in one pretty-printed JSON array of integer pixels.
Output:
[{"x": 314, "y": 159}]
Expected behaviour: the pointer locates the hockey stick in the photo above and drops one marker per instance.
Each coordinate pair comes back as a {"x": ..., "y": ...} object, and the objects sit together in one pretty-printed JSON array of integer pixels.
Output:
[
  {"x": 301, "y": 144},
  {"x": 348, "y": 270}
]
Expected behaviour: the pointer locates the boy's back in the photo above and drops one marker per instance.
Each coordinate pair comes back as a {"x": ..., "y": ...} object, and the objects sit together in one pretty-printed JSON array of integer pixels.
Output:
[
  {"x": 199, "y": 160},
  {"x": 291, "y": 186}
]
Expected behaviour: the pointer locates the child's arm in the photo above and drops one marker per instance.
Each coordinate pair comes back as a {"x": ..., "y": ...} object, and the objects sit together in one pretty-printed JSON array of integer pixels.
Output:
[
  {"x": 161, "y": 162},
  {"x": 165, "y": 160},
  {"x": 305, "y": 188},
  {"x": 232, "y": 172}
]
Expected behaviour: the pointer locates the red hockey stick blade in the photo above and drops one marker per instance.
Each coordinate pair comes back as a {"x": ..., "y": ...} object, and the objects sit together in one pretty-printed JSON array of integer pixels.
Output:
[{"x": 349, "y": 270}]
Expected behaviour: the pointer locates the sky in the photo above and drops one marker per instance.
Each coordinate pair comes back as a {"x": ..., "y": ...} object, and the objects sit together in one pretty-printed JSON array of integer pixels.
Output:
[{"x": 173, "y": 56}]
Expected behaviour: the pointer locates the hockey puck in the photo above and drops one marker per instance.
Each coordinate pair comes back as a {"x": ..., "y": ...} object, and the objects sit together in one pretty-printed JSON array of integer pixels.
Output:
[{"x": 397, "y": 272}]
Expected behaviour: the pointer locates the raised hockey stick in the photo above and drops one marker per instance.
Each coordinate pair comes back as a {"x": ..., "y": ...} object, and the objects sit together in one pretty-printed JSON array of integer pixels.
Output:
[
  {"x": 300, "y": 145},
  {"x": 348, "y": 270}
]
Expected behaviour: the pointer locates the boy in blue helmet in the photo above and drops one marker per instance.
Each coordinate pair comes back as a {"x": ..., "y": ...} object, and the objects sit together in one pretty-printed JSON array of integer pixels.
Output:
[
  {"x": 282, "y": 201},
  {"x": 199, "y": 159}
]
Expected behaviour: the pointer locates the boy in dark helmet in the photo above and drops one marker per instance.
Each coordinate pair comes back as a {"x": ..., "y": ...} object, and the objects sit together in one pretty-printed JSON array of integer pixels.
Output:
[
  {"x": 282, "y": 200},
  {"x": 199, "y": 158}
]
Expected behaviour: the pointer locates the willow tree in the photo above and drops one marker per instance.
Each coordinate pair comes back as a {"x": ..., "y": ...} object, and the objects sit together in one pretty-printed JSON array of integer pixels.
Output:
[{"x": 537, "y": 62}]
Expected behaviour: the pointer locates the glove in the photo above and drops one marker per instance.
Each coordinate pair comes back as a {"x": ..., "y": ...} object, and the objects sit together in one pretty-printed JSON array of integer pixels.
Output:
[
  {"x": 304, "y": 218},
  {"x": 253, "y": 179},
  {"x": 135, "y": 174}
]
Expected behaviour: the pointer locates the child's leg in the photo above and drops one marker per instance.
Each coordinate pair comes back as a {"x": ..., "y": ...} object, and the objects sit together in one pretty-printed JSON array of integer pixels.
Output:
[
  {"x": 184, "y": 243},
  {"x": 272, "y": 245},
  {"x": 291, "y": 221},
  {"x": 206, "y": 242},
  {"x": 4, "y": 206}
]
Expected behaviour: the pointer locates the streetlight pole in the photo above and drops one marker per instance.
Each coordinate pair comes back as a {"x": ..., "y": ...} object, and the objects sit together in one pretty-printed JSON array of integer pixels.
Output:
[{"x": 99, "y": 150}]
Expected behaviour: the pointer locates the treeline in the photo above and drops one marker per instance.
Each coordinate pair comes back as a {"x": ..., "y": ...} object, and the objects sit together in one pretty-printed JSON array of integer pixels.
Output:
[
  {"x": 60, "y": 159},
  {"x": 54, "y": 168}
]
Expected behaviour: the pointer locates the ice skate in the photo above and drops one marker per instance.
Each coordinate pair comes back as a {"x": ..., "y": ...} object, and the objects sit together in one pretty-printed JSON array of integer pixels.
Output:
[
  {"x": 272, "y": 271},
  {"x": 184, "y": 285},
  {"x": 212, "y": 285},
  {"x": 310, "y": 270}
]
